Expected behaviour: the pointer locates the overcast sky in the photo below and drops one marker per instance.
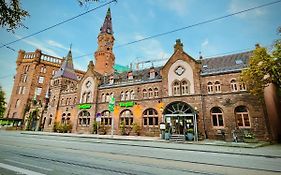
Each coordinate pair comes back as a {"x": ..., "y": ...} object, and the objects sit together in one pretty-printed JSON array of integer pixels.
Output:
[{"x": 137, "y": 19}]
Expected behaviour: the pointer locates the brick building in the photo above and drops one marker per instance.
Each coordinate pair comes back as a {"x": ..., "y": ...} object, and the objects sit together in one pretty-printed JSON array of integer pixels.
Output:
[{"x": 202, "y": 95}]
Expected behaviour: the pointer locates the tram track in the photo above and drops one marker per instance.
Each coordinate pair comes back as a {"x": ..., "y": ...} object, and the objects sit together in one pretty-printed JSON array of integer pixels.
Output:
[{"x": 152, "y": 158}]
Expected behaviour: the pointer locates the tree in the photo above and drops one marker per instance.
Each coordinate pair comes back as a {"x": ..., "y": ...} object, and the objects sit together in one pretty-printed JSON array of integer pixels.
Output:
[
  {"x": 264, "y": 68},
  {"x": 11, "y": 15},
  {"x": 2, "y": 102}
]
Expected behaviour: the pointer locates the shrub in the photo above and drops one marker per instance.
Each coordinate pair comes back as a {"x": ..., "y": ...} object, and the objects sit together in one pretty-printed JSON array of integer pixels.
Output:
[{"x": 136, "y": 128}]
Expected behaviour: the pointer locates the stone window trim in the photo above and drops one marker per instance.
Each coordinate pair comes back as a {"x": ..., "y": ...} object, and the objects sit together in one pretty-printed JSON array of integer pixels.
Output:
[
  {"x": 181, "y": 87},
  {"x": 217, "y": 86},
  {"x": 106, "y": 117},
  {"x": 144, "y": 94},
  {"x": 242, "y": 86},
  {"x": 84, "y": 118},
  {"x": 233, "y": 85},
  {"x": 150, "y": 93},
  {"x": 242, "y": 116},
  {"x": 150, "y": 118},
  {"x": 127, "y": 117},
  {"x": 217, "y": 117},
  {"x": 210, "y": 88}
]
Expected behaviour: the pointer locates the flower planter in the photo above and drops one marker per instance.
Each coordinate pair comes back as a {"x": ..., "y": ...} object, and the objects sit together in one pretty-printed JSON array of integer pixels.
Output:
[
  {"x": 167, "y": 136},
  {"x": 189, "y": 136},
  {"x": 250, "y": 140}
]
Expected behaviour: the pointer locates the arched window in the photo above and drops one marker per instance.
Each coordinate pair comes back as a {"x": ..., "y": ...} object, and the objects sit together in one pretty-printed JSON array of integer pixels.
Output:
[
  {"x": 61, "y": 102},
  {"x": 69, "y": 101},
  {"x": 127, "y": 95},
  {"x": 84, "y": 96},
  {"x": 103, "y": 97},
  {"x": 127, "y": 117},
  {"x": 243, "y": 87},
  {"x": 144, "y": 93},
  {"x": 66, "y": 102},
  {"x": 84, "y": 118},
  {"x": 150, "y": 93},
  {"x": 176, "y": 88},
  {"x": 122, "y": 97},
  {"x": 156, "y": 92},
  {"x": 210, "y": 87},
  {"x": 17, "y": 103},
  {"x": 88, "y": 96},
  {"x": 50, "y": 119},
  {"x": 106, "y": 118},
  {"x": 63, "y": 118},
  {"x": 217, "y": 117},
  {"x": 242, "y": 117},
  {"x": 217, "y": 87},
  {"x": 132, "y": 95},
  {"x": 107, "y": 97},
  {"x": 233, "y": 85},
  {"x": 185, "y": 87},
  {"x": 74, "y": 100},
  {"x": 150, "y": 118}
]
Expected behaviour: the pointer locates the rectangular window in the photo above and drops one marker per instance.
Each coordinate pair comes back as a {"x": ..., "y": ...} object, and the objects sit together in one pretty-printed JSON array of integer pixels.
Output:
[
  {"x": 156, "y": 121},
  {"x": 41, "y": 80},
  {"x": 145, "y": 121},
  {"x": 150, "y": 121},
  {"x": 215, "y": 122},
  {"x": 220, "y": 120}
]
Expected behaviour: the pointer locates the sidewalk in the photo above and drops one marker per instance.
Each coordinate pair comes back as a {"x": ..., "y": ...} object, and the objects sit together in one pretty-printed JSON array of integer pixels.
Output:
[{"x": 213, "y": 146}]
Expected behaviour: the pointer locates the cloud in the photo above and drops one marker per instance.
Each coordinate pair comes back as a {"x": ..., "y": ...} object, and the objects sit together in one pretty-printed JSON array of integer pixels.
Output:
[
  {"x": 56, "y": 44},
  {"x": 205, "y": 43},
  {"x": 38, "y": 45},
  {"x": 236, "y": 6},
  {"x": 180, "y": 7},
  {"x": 151, "y": 49}
]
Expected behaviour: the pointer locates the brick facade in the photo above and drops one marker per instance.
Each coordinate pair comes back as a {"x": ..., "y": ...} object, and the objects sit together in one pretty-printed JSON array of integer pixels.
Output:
[{"x": 148, "y": 92}]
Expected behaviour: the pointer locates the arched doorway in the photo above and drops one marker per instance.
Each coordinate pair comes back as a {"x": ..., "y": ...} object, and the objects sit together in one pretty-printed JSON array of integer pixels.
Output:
[{"x": 180, "y": 118}]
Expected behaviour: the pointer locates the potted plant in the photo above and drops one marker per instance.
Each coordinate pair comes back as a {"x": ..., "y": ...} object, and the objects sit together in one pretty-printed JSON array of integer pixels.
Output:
[
  {"x": 136, "y": 129},
  {"x": 167, "y": 133},
  {"x": 189, "y": 134},
  {"x": 122, "y": 128},
  {"x": 249, "y": 138}
]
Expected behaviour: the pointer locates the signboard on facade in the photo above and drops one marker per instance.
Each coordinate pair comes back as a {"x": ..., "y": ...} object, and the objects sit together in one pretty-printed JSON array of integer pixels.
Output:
[
  {"x": 84, "y": 106},
  {"x": 127, "y": 104},
  {"x": 111, "y": 104},
  {"x": 162, "y": 126}
]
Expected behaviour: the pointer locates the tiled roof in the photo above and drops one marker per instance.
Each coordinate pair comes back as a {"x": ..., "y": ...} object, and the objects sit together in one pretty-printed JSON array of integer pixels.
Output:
[
  {"x": 66, "y": 70},
  {"x": 224, "y": 64},
  {"x": 107, "y": 24},
  {"x": 139, "y": 76}
]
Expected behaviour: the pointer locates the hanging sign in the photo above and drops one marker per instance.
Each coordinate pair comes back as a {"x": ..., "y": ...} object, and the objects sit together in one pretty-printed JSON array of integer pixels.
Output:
[
  {"x": 127, "y": 104},
  {"x": 84, "y": 106}
]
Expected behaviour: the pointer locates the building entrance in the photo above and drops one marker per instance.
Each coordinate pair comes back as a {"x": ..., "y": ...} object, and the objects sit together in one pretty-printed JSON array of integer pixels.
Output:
[{"x": 180, "y": 119}]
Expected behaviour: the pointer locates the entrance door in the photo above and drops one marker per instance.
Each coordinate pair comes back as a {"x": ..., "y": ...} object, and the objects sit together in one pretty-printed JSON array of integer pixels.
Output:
[{"x": 179, "y": 118}]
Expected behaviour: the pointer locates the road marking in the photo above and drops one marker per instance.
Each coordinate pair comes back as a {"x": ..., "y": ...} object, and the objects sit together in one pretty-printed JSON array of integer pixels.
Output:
[
  {"x": 19, "y": 170},
  {"x": 34, "y": 166}
]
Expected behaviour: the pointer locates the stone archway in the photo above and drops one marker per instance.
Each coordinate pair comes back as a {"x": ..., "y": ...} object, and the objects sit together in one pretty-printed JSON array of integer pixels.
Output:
[{"x": 180, "y": 118}]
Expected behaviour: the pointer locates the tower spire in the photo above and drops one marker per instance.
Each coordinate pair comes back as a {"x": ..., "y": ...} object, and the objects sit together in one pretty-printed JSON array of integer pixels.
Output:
[
  {"x": 67, "y": 70},
  {"x": 107, "y": 24}
]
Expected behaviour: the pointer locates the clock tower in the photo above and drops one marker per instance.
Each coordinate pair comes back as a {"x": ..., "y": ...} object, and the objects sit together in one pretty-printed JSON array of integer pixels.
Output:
[{"x": 104, "y": 56}]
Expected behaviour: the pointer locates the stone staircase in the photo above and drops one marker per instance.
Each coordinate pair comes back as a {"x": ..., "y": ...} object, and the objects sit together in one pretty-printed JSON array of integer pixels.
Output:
[{"x": 177, "y": 138}]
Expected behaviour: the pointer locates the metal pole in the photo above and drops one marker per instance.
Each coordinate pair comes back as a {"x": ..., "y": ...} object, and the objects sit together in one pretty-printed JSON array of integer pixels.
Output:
[{"x": 112, "y": 124}]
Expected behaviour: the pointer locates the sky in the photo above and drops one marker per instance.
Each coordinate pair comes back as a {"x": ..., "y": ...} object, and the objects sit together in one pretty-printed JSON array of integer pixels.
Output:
[{"x": 134, "y": 20}]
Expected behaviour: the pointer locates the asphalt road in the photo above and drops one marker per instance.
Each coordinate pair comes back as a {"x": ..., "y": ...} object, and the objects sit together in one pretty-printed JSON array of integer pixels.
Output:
[{"x": 37, "y": 155}]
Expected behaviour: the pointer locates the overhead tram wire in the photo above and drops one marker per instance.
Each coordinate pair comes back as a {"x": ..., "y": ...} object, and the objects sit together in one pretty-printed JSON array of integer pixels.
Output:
[
  {"x": 190, "y": 26},
  {"x": 65, "y": 21},
  {"x": 200, "y": 23}
]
